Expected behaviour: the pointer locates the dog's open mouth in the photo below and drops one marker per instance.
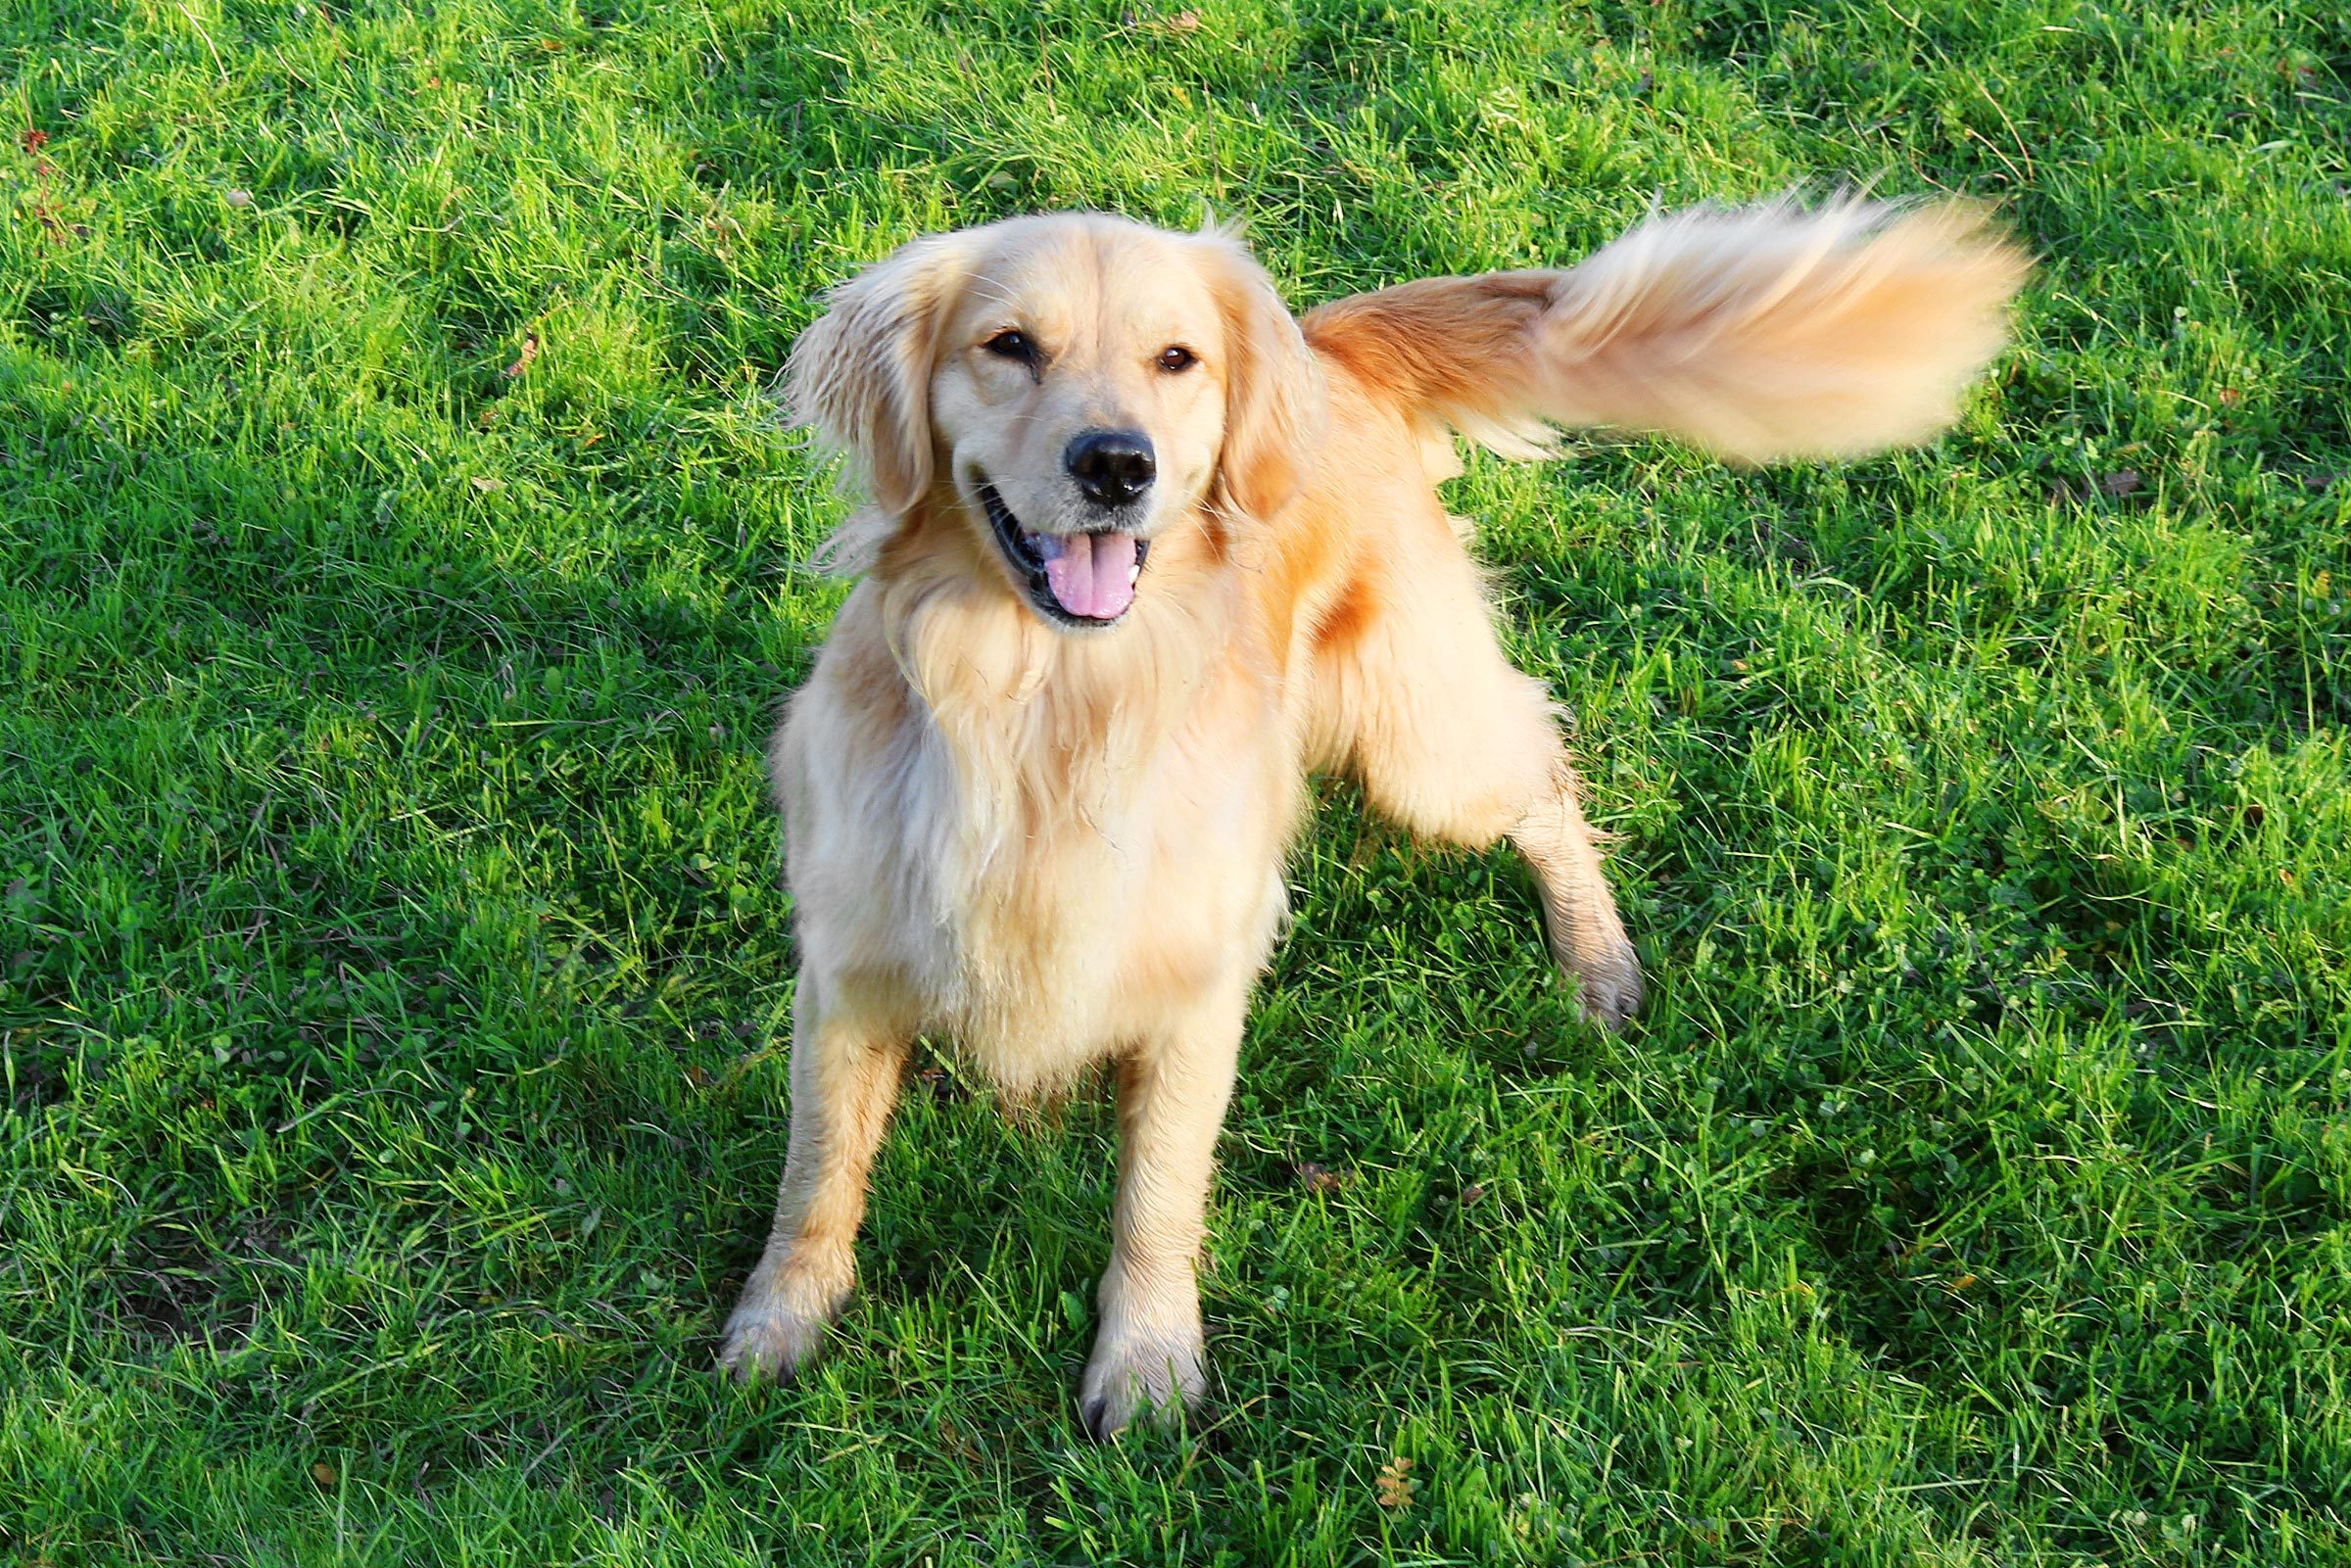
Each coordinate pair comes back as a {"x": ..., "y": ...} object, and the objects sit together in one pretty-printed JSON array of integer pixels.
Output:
[{"x": 1073, "y": 579}]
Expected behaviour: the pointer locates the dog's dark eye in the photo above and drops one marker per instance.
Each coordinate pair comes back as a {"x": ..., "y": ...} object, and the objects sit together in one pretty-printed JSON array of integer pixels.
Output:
[
  {"x": 1012, "y": 345},
  {"x": 1176, "y": 357}
]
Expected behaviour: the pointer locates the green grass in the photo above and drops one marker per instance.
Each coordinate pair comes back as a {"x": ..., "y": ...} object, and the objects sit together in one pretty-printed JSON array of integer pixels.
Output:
[{"x": 393, "y": 976}]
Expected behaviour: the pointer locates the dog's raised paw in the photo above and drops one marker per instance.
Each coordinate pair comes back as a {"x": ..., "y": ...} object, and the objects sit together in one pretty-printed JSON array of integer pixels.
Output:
[
  {"x": 768, "y": 1344},
  {"x": 1139, "y": 1375}
]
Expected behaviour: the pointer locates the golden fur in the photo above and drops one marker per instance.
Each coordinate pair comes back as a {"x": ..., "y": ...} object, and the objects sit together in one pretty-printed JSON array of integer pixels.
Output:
[{"x": 1059, "y": 844}]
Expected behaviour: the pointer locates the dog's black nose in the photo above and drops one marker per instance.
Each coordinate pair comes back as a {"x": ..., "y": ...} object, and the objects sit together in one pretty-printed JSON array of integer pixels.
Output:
[{"x": 1112, "y": 466}]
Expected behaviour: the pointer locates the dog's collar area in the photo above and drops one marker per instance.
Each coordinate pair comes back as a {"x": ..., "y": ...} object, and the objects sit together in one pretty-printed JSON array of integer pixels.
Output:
[{"x": 1084, "y": 566}]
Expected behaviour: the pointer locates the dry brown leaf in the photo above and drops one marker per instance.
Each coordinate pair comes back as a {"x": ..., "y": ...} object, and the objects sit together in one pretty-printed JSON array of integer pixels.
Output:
[
  {"x": 1395, "y": 1483},
  {"x": 1319, "y": 1178}
]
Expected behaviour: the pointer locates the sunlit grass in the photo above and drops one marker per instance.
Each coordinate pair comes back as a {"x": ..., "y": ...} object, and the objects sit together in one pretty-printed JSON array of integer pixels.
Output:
[{"x": 393, "y": 975}]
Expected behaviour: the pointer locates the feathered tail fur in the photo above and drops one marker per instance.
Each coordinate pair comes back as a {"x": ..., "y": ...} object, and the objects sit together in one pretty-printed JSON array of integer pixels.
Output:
[{"x": 1760, "y": 333}]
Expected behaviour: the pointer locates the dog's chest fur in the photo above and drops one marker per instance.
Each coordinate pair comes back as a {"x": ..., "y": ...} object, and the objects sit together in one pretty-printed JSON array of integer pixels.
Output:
[{"x": 1056, "y": 843}]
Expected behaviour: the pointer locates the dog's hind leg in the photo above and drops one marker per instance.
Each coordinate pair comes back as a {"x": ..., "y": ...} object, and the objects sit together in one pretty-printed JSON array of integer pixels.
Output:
[
  {"x": 1414, "y": 699},
  {"x": 1148, "y": 1354},
  {"x": 1579, "y": 915},
  {"x": 845, "y": 1066}
]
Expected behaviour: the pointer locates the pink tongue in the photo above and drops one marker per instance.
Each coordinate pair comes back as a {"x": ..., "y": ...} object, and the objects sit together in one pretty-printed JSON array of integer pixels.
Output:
[{"x": 1090, "y": 577}]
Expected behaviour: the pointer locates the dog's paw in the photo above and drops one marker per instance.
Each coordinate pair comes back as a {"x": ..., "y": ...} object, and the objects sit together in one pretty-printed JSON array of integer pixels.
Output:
[
  {"x": 1599, "y": 958},
  {"x": 768, "y": 1344},
  {"x": 1607, "y": 977},
  {"x": 1138, "y": 1374}
]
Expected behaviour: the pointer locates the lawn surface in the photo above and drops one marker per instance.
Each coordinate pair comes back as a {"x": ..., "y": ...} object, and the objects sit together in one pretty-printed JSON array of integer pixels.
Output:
[{"x": 398, "y": 571}]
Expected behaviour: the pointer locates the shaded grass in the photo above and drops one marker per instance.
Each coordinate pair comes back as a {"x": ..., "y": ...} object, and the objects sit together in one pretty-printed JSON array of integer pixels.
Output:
[{"x": 391, "y": 971}]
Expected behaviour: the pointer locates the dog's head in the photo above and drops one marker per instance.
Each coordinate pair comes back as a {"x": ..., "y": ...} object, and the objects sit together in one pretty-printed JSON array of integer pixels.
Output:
[{"x": 1073, "y": 388}]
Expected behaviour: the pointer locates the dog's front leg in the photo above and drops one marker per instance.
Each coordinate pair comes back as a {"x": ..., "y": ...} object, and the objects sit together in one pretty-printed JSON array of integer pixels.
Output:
[
  {"x": 845, "y": 1066},
  {"x": 1172, "y": 1088}
]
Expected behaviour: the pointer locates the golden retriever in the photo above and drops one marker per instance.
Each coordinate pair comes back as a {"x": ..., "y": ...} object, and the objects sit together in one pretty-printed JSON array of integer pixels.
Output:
[{"x": 1140, "y": 550}]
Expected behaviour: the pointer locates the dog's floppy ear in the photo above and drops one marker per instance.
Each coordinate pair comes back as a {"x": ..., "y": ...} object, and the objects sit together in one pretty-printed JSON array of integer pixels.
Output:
[
  {"x": 860, "y": 375},
  {"x": 1274, "y": 404}
]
